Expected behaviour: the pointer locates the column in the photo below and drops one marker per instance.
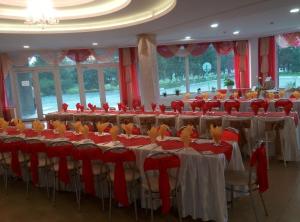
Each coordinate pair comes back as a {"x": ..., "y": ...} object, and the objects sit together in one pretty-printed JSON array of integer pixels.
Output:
[{"x": 148, "y": 69}]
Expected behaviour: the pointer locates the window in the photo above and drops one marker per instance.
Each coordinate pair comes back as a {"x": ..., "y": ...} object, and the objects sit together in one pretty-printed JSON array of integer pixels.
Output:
[
  {"x": 288, "y": 67},
  {"x": 171, "y": 72},
  {"x": 203, "y": 71},
  {"x": 227, "y": 68},
  {"x": 43, "y": 84},
  {"x": 112, "y": 88},
  {"x": 195, "y": 73}
]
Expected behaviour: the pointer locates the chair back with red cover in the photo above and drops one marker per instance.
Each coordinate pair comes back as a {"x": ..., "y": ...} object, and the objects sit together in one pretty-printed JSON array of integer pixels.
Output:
[
  {"x": 259, "y": 160},
  {"x": 119, "y": 156},
  {"x": 230, "y": 104},
  {"x": 230, "y": 134},
  {"x": 177, "y": 105},
  {"x": 210, "y": 104},
  {"x": 35, "y": 149},
  {"x": 199, "y": 97},
  {"x": 162, "y": 162},
  {"x": 286, "y": 104},
  {"x": 13, "y": 146},
  {"x": 256, "y": 104},
  {"x": 61, "y": 151},
  {"x": 88, "y": 154},
  {"x": 197, "y": 103},
  {"x": 194, "y": 135}
]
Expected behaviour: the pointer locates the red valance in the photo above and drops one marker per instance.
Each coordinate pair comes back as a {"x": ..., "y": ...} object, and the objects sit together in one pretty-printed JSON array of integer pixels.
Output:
[
  {"x": 77, "y": 55},
  {"x": 288, "y": 39},
  {"x": 223, "y": 48},
  {"x": 169, "y": 51}
]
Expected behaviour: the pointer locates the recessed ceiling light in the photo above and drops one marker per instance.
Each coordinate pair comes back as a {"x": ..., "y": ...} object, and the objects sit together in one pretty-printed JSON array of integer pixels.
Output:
[
  {"x": 26, "y": 46},
  {"x": 236, "y": 32},
  {"x": 187, "y": 37},
  {"x": 214, "y": 25},
  {"x": 294, "y": 10},
  {"x": 95, "y": 43}
]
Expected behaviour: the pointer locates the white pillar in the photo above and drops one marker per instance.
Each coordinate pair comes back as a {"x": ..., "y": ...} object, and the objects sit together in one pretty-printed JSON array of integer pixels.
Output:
[
  {"x": 253, "y": 61},
  {"x": 149, "y": 86}
]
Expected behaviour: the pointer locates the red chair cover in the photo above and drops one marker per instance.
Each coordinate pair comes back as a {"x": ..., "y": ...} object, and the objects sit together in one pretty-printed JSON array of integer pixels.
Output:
[
  {"x": 13, "y": 148},
  {"x": 194, "y": 135},
  {"x": 153, "y": 106},
  {"x": 136, "y": 104},
  {"x": 33, "y": 149},
  {"x": 86, "y": 155},
  {"x": 199, "y": 97},
  {"x": 209, "y": 105},
  {"x": 200, "y": 103},
  {"x": 79, "y": 107},
  {"x": 120, "y": 187},
  {"x": 259, "y": 159},
  {"x": 230, "y": 104},
  {"x": 286, "y": 104},
  {"x": 259, "y": 103},
  {"x": 162, "y": 164},
  {"x": 193, "y": 105},
  {"x": 105, "y": 106},
  {"x": 64, "y": 107},
  {"x": 177, "y": 105},
  {"x": 162, "y": 108},
  {"x": 92, "y": 107},
  {"x": 61, "y": 152}
]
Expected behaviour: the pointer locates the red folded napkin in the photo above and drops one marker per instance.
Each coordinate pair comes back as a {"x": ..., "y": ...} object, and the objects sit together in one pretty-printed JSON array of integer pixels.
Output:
[
  {"x": 162, "y": 108},
  {"x": 64, "y": 107},
  {"x": 153, "y": 106}
]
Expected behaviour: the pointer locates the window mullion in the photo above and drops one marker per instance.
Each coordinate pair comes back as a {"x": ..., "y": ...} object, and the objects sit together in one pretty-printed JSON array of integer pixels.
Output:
[
  {"x": 37, "y": 94},
  {"x": 187, "y": 74},
  {"x": 218, "y": 71},
  {"x": 15, "y": 93},
  {"x": 81, "y": 84},
  {"x": 58, "y": 87},
  {"x": 101, "y": 85}
]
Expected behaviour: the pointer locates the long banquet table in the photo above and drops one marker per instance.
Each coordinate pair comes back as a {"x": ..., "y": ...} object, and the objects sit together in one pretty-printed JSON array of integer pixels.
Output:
[
  {"x": 290, "y": 132},
  {"x": 202, "y": 166}
]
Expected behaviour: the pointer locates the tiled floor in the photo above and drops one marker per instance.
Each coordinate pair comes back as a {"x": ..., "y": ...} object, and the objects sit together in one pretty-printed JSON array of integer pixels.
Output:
[{"x": 283, "y": 202}]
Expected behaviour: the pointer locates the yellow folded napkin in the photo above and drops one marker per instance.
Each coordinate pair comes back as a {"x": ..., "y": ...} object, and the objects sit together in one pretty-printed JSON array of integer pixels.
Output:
[
  {"x": 3, "y": 124},
  {"x": 235, "y": 95},
  {"x": 55, "y": 123},
  {"x": 186, "y": 97},
  {"x": 281, "y": 93},
  {"x": 20, "y": 126},
  {"x": 271, "y": 95},
  {"x": 38, "y": 126},
  {"x": 216, "y": 133},
  {"x": 186, "y": 135},
  {"x": 77, "y": 126},
  {"x": 84, "y": 130},
  {"x": 205, "y": 95},
  {"x": 127, "y": 128},
  {"x": 296, "y": 94},
  {"x": 102, "y": 126},
  {"x": 114, "y": 131},
  {"x": 61, "y": 129},
  {"x": 153, "y": 134},
  {"x": 162, "y": 130}
]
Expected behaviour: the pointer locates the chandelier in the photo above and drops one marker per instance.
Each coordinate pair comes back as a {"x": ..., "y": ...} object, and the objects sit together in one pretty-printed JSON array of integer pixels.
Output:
[{"x": 41, "y": 12}]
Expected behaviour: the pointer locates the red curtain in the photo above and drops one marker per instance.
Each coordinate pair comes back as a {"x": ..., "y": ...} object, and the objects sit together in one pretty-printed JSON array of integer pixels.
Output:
[
  {"x": 241, "y": 64},
  {"x": 270, "y": 57},
  {"x": 223, "y": 48},
  {"x": 128, "y": 68}
]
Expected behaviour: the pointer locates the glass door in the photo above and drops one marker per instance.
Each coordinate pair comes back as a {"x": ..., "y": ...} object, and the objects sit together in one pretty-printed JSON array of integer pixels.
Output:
[
  {"x": 47, "y": 92},
  {"x": 26, "y": 95}
]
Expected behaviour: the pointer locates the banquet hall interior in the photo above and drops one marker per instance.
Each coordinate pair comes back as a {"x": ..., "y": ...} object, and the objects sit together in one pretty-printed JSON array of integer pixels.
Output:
[{"x": 149, "y": 110}]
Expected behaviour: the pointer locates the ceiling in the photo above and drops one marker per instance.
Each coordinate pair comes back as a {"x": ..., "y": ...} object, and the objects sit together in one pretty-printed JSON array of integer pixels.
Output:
[{"x": 252, "y": 18}]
